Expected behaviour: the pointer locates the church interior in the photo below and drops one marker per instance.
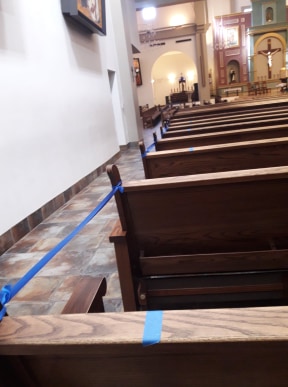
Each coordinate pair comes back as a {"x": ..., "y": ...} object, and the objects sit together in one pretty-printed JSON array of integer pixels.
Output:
[{"x": 77, "y": 99}]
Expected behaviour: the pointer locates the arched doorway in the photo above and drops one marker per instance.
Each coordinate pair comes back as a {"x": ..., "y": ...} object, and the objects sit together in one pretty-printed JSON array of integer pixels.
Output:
[{"x": 167, "y": 70}]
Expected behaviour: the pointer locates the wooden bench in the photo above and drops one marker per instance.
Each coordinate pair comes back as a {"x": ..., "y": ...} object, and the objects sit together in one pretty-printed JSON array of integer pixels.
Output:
[
  {"x": 211, "y": 115},
  {"x": 232, "y": 90},
  {"x": 231, "y": 107},
  {"x": 236, "y": 117},
  {"x": 220, "y": 127},
  {"x": 167, "y": 113},
  {"x": 226, "y": 137},
  {"x": 224, "y": 347},
  {"x": 215, "y": 158},
  {"x": 179, "y": 98},
  {"x": 205, "y": 240},
  {"x": 87, "y": 296},
  {"x": 151, "y": 116}
]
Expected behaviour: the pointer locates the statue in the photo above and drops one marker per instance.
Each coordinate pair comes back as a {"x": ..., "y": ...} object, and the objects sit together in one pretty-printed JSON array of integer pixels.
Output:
[
  {"x": 182, "y": 82},
  {"x": 232, "y": 76}
]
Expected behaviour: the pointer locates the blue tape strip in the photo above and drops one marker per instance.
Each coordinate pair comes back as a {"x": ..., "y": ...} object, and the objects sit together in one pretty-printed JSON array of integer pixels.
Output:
[
  {"x": 191, "y": 149},
  {"x": 150, "y": 147},
  {"x": 189, "y": 129},
  {"x": 148, "y": 150},
  {"x": 152, "y": 328},
  {"x": 8, "y": 291}
]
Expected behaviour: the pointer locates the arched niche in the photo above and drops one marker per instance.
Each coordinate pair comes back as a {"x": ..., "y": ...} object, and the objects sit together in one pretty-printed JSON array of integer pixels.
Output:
[
  {"x": 233, "y": 72},
  {"x": 269, "y": 56},
  {"x": 167, "y": 70}
]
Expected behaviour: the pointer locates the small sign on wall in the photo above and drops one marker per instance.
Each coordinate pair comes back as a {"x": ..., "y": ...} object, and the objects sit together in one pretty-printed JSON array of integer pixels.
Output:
[{"x": 89, "y": 13}]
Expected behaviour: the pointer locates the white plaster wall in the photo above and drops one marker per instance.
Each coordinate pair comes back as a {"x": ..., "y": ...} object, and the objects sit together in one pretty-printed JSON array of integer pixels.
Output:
[{"x": 56, "y": 124}]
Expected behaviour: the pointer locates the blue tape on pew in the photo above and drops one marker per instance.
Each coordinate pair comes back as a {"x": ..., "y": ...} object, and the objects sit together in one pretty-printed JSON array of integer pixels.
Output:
[
  {"x": 189, "y": 129},
  {"x": 148, "y": 149},
  {"x": 152, "y": 328},
  {"x": 191, "y": 149},
  {"x": 8, "y": 291}
]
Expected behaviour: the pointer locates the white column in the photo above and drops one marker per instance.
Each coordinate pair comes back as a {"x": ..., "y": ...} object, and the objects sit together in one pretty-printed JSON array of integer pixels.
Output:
[{"x": 201, "y": 50}]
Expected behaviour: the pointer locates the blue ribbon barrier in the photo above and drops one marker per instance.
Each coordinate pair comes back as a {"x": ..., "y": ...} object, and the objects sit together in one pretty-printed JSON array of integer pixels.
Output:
[{"x": 8, "y": 291}]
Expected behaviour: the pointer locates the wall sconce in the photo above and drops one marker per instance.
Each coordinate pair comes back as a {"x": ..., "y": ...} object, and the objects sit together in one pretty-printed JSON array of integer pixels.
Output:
[
  {"x": 171, "y": 78},
  {"x": 190, "y": 75}
]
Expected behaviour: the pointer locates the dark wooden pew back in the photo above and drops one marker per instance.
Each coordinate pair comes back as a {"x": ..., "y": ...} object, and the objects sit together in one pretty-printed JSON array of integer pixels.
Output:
[
  {"x": 238, "y": 119},
  {"x": 173, "y": 231},
  {"x": 225, "y": 347},
  {"x": 217, "y": 138},
  {"x": 232, "y": 107},
  {"x": 220, "y": 127},
  {"x": 212, "y": 115},
  {"x": 215, "y": 158}
]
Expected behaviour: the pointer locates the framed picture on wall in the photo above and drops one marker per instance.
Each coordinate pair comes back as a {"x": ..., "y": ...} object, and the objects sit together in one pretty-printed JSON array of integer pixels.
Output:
[
  {"x": 89, "y": 13},
  {"x": 137, "y": 69},
  {"x": 231, "y": 36}
]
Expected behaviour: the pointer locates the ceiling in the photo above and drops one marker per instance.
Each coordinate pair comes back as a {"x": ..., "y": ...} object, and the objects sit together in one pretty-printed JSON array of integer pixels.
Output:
[{"x": 159, "y": 3}]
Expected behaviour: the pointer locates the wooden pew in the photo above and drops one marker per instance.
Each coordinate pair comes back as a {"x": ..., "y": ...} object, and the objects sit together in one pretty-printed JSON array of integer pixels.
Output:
[
  {"x": 227, "y": 118},
  {"x": 215, "y": 158},
  {"x": 153, "y": 115},
  {"x": 87, "y": 296},
  {"x": 232, "y": 107},
  {"x": 222, "y": 114},
  {"x": 224, "y": 347},
  {"x": 204, "y": 240},
  {"x": 220, "y": 137},
  {"x": 220, "y": 127}
]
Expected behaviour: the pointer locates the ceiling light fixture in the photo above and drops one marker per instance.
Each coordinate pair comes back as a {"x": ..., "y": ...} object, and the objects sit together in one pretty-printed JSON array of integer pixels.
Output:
[{"x": 149, "y": 13}]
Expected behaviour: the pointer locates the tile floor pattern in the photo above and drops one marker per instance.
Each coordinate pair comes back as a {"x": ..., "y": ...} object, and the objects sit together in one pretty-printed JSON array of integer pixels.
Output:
[{"x": 88, "y": 253}]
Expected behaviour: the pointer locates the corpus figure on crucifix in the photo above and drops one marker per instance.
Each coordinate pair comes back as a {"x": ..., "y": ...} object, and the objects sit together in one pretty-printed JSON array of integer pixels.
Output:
[{"x": 269, "y": 53}]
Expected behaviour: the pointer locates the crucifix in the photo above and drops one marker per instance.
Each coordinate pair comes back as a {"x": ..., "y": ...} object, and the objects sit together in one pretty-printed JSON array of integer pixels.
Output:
[{"x": 269, "y": 53}]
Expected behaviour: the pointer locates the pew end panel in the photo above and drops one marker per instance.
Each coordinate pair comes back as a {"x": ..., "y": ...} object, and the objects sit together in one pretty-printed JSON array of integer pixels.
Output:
[
  {"x": 143, "y": 156},
  {"x": 212, "y": 218}
]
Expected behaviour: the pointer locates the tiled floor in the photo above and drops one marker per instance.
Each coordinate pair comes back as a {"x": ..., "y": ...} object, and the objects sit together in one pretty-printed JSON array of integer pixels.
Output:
[{"x": 88, "y": 253}]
